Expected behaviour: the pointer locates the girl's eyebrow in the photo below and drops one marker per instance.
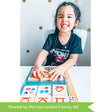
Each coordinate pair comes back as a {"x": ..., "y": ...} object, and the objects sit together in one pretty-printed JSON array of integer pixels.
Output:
[
  {"x": 59, "y": 14},
  {"x": 62, "y": 15},
  {"x": 70, "y": 14}
]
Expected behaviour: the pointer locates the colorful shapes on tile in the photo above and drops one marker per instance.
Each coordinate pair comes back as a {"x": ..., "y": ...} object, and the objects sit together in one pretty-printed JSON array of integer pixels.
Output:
[
  {"x": 46, "y": 87},
  {"x": 72, "y": 99},
  {"x": 60, "y": 99},
  {"x": 28, "y": 98},
  {"x": 44, "y": 90},
  {"x": 33, "y": 89},
  {"x": 59, "y": 90},
  {"x": 41, "y": 91},
  {"x": 25, "y": 92},
  {"x": 43, "y": 99},
  {"x": 29, "y": 90}
]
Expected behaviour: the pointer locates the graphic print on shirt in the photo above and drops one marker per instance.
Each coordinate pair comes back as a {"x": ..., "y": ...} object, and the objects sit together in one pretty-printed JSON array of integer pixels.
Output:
[{"x": 60, "y": 55}]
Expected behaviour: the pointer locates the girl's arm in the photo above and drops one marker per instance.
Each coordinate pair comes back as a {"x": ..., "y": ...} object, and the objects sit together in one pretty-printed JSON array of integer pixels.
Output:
[
  {"x": 38, "y": 64},
  {"x": 59, "y": 70},
  {"x": 70, "y": 62},
  {"x": 40, "y": 58}
]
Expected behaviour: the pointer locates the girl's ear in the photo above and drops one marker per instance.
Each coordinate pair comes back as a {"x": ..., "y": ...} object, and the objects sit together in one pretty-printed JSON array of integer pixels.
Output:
[{"x": 76, "y": 23}]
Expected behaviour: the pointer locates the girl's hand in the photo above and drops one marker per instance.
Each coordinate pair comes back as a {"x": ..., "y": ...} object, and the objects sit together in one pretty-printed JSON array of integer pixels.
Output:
[
  {"x": 57, "y": 73},
  {"x": 37, "y": 72}
]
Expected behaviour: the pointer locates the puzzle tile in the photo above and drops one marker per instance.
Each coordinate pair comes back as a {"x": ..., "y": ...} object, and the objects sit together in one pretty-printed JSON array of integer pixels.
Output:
[
  {"x": 44, "y": 90},
  {"x": 46, "y": 77},
  {"x": 43, "y": 99},
  {"x": 60, "y": 99},
  {"x": 59, "y": 90},
  {"x": 28, "y": 98},
  {"x": 71, "y": 98},
  {"x": 29, "y": 90}
]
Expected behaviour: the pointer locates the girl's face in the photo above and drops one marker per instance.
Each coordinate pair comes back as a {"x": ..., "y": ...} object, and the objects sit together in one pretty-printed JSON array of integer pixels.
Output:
[{"x": 66, "y": 19}]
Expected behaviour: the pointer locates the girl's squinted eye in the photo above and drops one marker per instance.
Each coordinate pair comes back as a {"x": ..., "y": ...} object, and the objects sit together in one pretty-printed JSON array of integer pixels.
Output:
[{"x": 61, "y": 16}]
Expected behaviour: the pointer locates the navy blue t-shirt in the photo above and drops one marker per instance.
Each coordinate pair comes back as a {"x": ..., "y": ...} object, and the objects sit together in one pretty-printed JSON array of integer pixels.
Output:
[{"x": 59, "y": 53}]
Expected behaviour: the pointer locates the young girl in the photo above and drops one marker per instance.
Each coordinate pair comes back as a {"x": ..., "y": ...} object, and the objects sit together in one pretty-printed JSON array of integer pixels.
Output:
[{"x": 62, "y": 47}]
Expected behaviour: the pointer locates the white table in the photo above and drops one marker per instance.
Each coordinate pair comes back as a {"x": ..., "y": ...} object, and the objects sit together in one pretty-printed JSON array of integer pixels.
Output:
[{"x": 80, "y": 77}]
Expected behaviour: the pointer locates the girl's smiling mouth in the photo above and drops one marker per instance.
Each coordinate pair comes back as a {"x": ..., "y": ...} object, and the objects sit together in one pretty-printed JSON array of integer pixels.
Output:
[{"x": 64, "y": 25}]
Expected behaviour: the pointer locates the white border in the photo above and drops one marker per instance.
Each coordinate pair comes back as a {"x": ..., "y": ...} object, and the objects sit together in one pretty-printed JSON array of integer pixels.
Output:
[{"x": 101, "y": 53}]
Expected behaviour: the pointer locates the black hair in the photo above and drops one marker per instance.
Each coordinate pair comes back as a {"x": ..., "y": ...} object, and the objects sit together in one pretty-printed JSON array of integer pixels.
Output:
[{"x": 76, "y": 11}]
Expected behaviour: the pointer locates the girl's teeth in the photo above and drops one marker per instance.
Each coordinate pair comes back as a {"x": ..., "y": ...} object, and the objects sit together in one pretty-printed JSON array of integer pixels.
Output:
[{"x": 64, "y": 25}]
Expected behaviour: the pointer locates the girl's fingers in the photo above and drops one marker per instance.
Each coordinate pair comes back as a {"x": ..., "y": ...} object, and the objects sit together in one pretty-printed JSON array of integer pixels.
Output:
[
  {"x": 34, "y": 74},
  {"x": 31, "y": 75},
  {"x": 52, "y": 71},
  {"x": 59, "y": 77},
  {"x": 52, "y": 77},
  {"x": 42, "y": 73},
  {"x": 39, "y": 75},
  {"x": 45, "y": 71},
  {"x": 56, "y": 76}
]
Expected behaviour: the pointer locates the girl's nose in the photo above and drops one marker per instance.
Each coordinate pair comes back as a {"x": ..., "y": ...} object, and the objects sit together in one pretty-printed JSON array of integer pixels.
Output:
[{"x": 64, "y": 18}]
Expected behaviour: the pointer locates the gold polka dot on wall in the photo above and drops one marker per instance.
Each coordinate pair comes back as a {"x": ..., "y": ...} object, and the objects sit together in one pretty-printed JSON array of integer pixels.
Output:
[
  {"x": 49, "y": 0},
  {"x": 89, "y": 29},
  {"x": 24, "y": 0},
  {"x": 27, "y": 51},
  {"x": 40, "y": 27},
  {"x": 76, "y": 1}
]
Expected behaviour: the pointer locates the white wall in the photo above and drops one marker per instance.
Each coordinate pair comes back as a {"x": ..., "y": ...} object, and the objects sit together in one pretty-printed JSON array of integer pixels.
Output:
[{"x": 36, "y": 13}]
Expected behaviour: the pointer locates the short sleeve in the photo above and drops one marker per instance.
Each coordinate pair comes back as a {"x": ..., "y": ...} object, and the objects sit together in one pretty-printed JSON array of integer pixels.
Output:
[
  {"x": 76, "y": 47},
  {"x": 47, "y": 44}
]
